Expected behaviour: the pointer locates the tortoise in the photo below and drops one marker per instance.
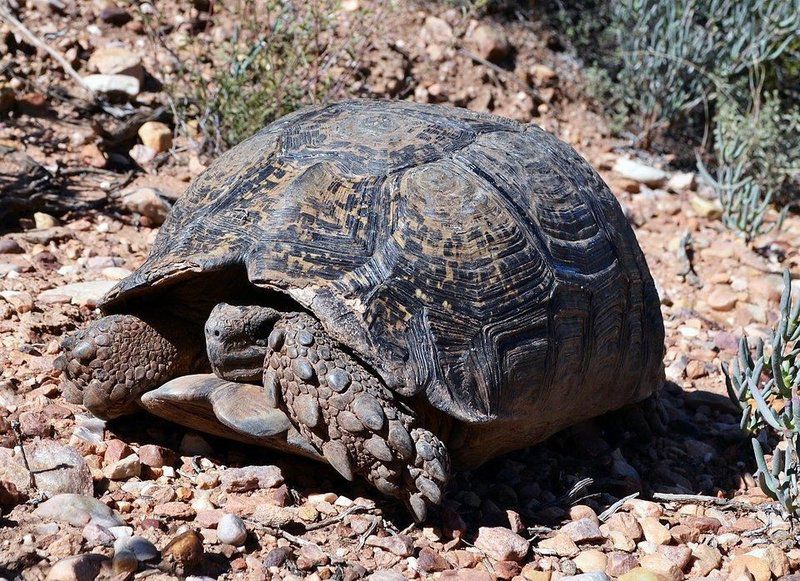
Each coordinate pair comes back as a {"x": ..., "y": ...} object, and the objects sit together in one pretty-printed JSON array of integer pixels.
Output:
[{"x": 388, "y": 287}]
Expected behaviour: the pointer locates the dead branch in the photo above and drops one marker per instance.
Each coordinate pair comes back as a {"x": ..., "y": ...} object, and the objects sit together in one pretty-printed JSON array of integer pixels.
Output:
[{"x": 6, "y": 15}]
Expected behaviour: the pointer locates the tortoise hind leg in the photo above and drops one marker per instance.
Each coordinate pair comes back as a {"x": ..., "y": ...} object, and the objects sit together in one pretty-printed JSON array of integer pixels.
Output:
[{"x": 350, "y": 417}]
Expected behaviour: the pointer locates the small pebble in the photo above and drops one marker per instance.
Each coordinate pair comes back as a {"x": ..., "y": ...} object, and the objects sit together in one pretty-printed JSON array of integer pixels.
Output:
[{"x": 231, "y": 530}]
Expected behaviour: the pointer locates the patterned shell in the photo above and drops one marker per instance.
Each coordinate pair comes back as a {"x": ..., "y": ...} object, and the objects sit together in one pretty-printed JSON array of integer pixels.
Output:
[{"x": 470, "y": 259}]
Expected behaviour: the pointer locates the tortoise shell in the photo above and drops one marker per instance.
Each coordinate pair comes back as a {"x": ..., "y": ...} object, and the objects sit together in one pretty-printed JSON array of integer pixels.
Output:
[{"x": 476, "y": 262}]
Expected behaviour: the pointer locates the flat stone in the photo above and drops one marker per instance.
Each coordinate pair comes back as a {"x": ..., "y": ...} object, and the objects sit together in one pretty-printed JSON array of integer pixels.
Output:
[
  {"x": 620, "y": 563},
  {"x": 78, "y": 510},
  {"x": 175, "y": 509},
  {"x": 583, "y": 531},
  {"x": 148, "y": 202},
  {"x": 58, "y": 468},
  {"x": 662, "y": 566},
  {"x": 502, "y": 544},
  {"x": 561, "y": 545},
  {"x": 78, "y": 568},
  {"x": 113, "y": 84},
  {"x": 591, "y": 561},
  {"x": 722, "y": 298},
  {"x": 640, "y": 172},
  {"x": 756, "y": 566},
  {"x": 128, "y": 467},
  {"x": 400, "y": 545},
  {"x": 654, "y": 531},
  {"x": 80, "y": 293},
  {"x": 251, "y": 478},
  {"x": 703, "y": 524},
  {"x": 641, "y": 574},
  {"x": 117, "y": 60}
]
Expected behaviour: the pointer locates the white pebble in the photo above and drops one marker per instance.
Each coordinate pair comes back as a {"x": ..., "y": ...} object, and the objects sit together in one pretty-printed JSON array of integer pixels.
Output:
[{"x": 231, "y": 530}]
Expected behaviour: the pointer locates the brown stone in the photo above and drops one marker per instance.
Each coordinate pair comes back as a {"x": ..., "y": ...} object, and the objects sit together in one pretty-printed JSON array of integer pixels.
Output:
[
  {"x": 156, "y": 135},
  {"x": 581, "y": 511},
  {"x": 722, "y": 299},
  {"x": 661, "y": 565},
  {"x": 706, "y": 559},
  {"x": 430, "y": 561},
  {"x": 654, "y": 531},
  {"x": 620, "y": 563},
  {"x": 684, "y": 534},
  {"x": 560, "y": 545},
  {"x": 311, "y": 556},
  {"x": 757, "y": 567},
  {"x": 177, "y": 510},
  {"x": 680, "y": 555},
  {"x": 626, "y": 524},
  {"x": 502, "y": 544},
  {"x": 156, "y": 456},
  {"x": 583, "y": 531}
]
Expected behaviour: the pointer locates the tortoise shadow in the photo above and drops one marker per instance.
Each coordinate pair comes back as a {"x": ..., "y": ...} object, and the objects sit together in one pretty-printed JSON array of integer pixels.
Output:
[{"x": 697, "y": 449}]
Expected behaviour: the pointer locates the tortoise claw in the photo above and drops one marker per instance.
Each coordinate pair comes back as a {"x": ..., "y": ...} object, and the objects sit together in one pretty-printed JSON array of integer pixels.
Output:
[{"x": 219, "y": 407}]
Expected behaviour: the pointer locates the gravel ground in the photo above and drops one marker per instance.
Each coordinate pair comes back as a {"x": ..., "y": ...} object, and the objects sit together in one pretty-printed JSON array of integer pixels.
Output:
[{"x": 661, "y": 493}]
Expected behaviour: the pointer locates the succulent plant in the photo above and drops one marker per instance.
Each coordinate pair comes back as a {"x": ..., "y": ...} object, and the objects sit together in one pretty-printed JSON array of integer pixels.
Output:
[{"x": 765, "y": 386}]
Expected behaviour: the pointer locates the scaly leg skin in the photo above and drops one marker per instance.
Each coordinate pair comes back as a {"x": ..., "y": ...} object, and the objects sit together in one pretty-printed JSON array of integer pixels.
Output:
[
  {"x": 347, "y": 414},
  {"x": 110, "y": 363}
]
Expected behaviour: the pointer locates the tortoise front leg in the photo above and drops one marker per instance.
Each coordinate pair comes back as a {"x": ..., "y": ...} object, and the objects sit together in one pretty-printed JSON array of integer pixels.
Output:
[
  {"x": 346, "y": 413},
  {"x": 114, "y": 360}
]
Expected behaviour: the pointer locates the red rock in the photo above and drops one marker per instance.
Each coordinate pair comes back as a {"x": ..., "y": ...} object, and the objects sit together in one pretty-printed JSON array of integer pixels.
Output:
[
  {"x": 208, "y": 519},
  {"x": 116, "y": 450},
  {"x": 251, "y": 478},
  {"x": 626, "y": 524},
  {"x": 150, "y": 523},
  {"x": 680, "y": 556},
  {"x": 35, "y": 424},
  {"x": 684, "y": 534},
  {"x": 583, "y": 531},
  {"x": 467, "y": 575},
  {"x": 502, "y": 544},
  {"x": 310, "y": 556},
  {"x": 156, "y": 456},
  {"x": 703, "y": 524},
  {"x": 744, "y": 524},
  {"x": 507, "y": 569},
  {"x": 620, "y": 563},
  {"x": 430, "y": 561},
  {"x": 178, "y": 510},
  {"x": 400, "y": 545}
]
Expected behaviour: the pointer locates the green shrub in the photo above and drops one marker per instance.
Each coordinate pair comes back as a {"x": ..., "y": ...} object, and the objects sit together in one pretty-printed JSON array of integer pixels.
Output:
[
  {"x": 274, "y": 61},
  {"x": 732, "y": 64},
  {"x": 765, "y": 386}
]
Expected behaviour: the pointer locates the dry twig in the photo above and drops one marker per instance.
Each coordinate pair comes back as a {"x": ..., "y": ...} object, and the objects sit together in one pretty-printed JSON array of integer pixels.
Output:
[{"x": 6, "y": 15}]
